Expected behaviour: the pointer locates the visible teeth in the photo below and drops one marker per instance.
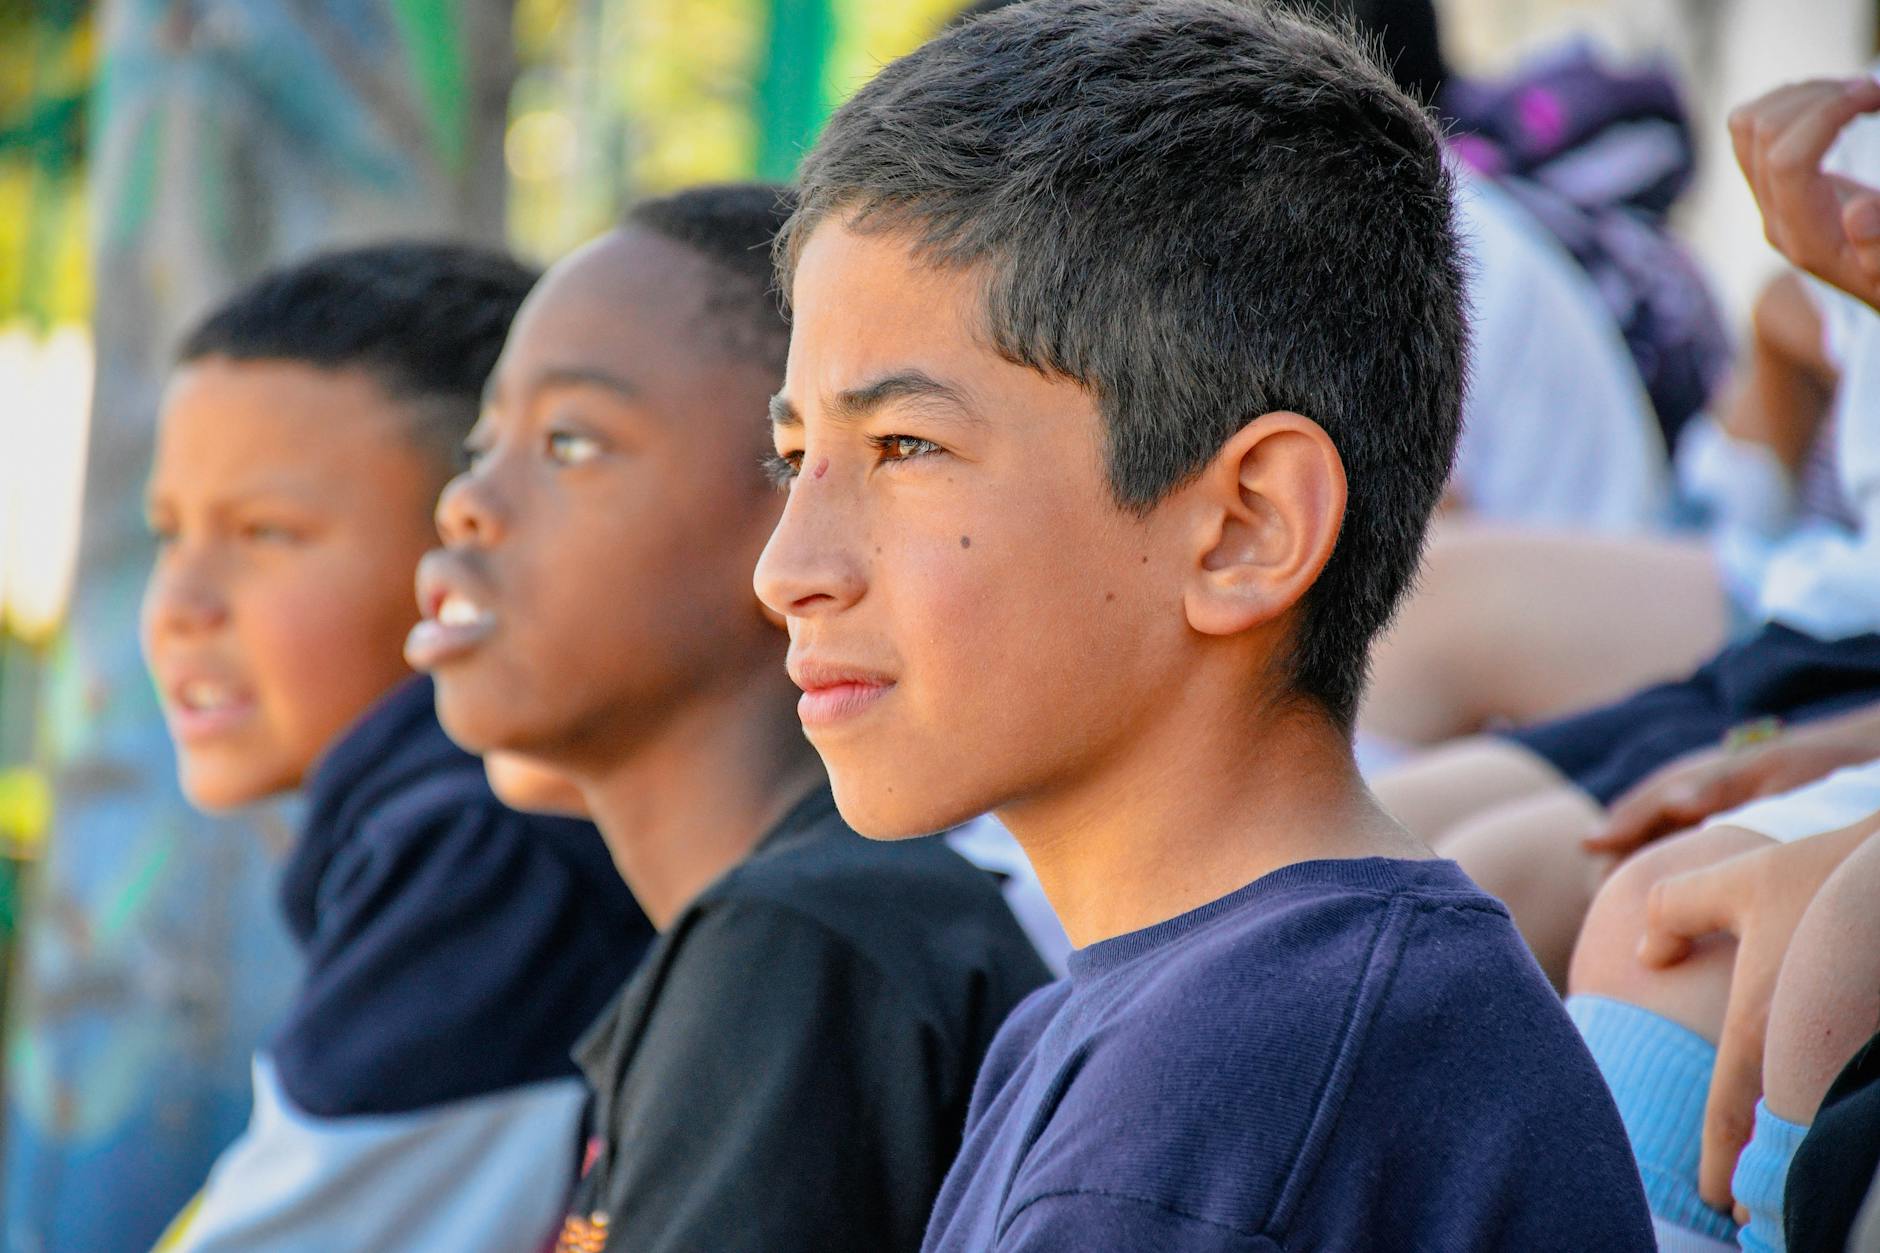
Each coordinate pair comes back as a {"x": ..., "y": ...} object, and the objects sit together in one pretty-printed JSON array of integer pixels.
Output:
[
  {"x": 459, "y": 611},
  {"x": 206, "y": 694}
]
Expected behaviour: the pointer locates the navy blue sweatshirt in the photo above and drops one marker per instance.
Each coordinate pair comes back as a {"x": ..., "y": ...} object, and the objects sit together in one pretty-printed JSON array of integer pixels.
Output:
[
  {"x": 454, "y": 946},
  {"x": 419, "y": 1094},
  {"x": 1341, "y": 1055}
]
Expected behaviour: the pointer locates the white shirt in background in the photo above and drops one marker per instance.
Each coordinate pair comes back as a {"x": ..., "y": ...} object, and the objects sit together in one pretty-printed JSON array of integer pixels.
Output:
[{"x": 1558, "y": 430}]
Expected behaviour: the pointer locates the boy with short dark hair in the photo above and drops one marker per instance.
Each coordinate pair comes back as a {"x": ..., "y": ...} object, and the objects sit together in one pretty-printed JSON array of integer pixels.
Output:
[
  {"x": 1126, "y": 357},
  {"x": 791, "y": 1068},
  {"x": 419, "y": 1093}
]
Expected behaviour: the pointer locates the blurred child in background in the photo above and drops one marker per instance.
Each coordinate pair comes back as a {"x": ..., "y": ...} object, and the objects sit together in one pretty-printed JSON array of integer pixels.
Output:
[{"x": 419, "y": 1094}]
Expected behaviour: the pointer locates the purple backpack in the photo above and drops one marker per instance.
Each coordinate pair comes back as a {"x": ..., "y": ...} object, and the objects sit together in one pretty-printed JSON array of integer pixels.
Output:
[{"x": 1598, "y": 156}]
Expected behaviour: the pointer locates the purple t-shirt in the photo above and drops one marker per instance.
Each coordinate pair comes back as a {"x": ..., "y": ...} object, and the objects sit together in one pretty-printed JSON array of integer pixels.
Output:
[{"x": 1340, "y": 1055}]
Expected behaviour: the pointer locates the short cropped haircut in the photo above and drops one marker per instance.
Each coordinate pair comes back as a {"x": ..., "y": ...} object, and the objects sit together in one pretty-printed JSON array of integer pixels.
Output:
[
  {"x": 1408, "y": 35},
  {"x": 1201, "y": 211},
  {"x": 979, "y": 8},
  {"x": 425, "y": 320},
  {"x": 734, "y": 227}
]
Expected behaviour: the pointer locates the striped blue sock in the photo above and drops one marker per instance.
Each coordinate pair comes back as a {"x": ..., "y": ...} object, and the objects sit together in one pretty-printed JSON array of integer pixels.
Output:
[
  {"x": 1659, "y": 1073},
  {"x": 1762, "y": 1174}
]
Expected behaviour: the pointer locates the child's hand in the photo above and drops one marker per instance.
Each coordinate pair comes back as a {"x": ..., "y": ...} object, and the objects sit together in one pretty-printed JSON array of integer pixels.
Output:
[
  {"x": 1825, "y": 224},
  {"x": 1758, "y": 897},
  {"x": 1683, "y": 793}
]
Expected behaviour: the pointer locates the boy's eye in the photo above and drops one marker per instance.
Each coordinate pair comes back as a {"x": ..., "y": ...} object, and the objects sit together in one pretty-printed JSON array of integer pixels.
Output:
[
  {"x": 162, "y": 531},
  {"x": 783, "y": 467},
  {"x": 268, "y": 533},
  {"x": 902, "y": 447},
  {"x": 471, "y": 454},
  {"x": 571, "y": 448}
]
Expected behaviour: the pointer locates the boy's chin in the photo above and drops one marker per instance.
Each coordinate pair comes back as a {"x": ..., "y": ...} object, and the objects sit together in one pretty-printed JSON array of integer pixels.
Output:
[
  {"x": 524, "y": 785},
  {"x": 220, "y": 792},
  {"x": 470, "y": 725},
  {"x": 881, "y": 814}
]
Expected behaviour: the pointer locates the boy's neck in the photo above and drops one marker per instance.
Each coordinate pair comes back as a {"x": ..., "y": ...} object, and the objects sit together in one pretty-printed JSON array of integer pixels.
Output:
[
  {"x": 694, "y": 801},
  {"x": 1199, "y": 807}
]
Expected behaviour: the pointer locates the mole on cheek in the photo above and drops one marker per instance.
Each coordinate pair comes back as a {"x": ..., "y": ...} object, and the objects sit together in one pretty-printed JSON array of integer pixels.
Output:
[
  {"x": 822, "y": 468},
  {"x": 966, "y": 541}
]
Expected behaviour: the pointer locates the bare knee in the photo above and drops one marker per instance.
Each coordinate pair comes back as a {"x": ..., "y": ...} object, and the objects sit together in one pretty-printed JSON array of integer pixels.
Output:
[
  {"x": 1827, "y": 1000},
  {"x": 1459, "y": 782},
  {"x": 1605, "y": 961},
  {"x": 1528, "y": 854}
]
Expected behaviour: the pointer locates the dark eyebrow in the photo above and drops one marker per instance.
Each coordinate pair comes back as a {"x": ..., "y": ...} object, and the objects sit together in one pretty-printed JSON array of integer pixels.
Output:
[
  {"x": 857, "y": 403},
  {"x": 583, "y": 376},
  {"x": 568, "y": 376}
]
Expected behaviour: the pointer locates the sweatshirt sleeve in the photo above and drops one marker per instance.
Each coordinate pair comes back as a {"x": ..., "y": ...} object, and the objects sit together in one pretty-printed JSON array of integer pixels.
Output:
[
  {"x": 485, "y": 1175},
  {"x": 420, "y": 1092},
  {"x": 1480, "y": 1121}
]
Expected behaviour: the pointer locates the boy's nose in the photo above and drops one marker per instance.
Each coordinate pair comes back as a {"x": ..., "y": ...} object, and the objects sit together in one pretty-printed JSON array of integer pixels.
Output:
[
  {"x": 807, "y": 568},
  {"x": 467, "y": 512},
  {"x": 182, "y": 600}
]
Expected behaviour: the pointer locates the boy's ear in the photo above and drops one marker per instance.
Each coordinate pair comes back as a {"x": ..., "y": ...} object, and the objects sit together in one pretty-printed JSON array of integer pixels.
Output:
[{"x": 1267, "y": 511}]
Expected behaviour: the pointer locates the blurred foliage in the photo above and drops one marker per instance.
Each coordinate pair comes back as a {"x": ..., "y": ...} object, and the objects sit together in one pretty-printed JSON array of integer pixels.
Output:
[
  {"x": 47, "y": 57},
  {"x": 622, "y": 98},
  {"x": 25, "y": 809},
  {"x": 616, "y": 98},
  {"x": 428, "y": 30}
]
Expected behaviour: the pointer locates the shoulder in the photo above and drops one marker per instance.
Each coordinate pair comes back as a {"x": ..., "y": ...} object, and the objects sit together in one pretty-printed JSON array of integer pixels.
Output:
[
  {"x": 394, "y": 793},
  {"x": 1287, "y": 972},
  {"x": 442, "y": 925},
  {"x": 1231, "y": 1057},
  {"x": 444, "y": 832},
  {"x": 1459, "y": 1047},
  {"x": 439, "y": 916},
  {"x": 441, "y": 877},
  {"x": 1417, "y": 978},
  {"x": 908, "y": 932}
]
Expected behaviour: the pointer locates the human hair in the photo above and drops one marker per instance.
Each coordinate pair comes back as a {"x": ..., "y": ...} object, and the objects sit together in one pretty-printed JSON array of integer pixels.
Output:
[
  {"x": 732, "y": 226},
  {"x": 1408, "y": 35},
  {"x": 1406, "y": 32},
  {"x": 979, "y": 8},
  {"x": 425, "y": 320},
  {"x": 1201, "y": 211}
]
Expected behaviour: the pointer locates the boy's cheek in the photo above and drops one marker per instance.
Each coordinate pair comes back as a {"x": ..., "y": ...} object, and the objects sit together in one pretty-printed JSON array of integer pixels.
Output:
[{"x": 319, "y": 658}]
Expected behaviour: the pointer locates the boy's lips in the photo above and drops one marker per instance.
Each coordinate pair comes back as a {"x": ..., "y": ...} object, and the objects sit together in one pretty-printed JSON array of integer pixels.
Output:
[
  {"x": 456, "y": 620},
  {"x": 834, "y": 692},
  {"x": 200, "y": 707}
]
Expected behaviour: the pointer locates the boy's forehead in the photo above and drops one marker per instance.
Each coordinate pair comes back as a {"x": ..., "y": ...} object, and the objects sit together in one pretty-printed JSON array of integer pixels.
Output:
[
  {"x": 612, "y": 298},
  {"x": 268, "y": 425},
  {"x": 866, "y": 309},
  {"x": 873, "y": 274}
]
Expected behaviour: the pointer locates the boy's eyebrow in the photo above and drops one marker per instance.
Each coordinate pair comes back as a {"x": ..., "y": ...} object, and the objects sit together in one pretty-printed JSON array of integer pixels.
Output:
[
  {"x": 568, "y": 376},
  {"x": 585, "y": 376},
  {"x": 783, "y": 413},
  {"x": 857, "y": 403}
]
